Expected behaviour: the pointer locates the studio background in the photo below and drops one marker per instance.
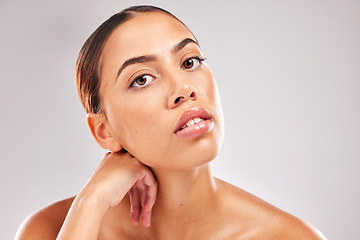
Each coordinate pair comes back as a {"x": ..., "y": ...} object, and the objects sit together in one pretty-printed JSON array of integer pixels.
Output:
[{"x": 289, "y": 79}]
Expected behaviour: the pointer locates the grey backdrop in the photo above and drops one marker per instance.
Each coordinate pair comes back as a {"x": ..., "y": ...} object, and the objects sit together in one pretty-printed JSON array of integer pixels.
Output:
[{"x": 289, "y": 78}]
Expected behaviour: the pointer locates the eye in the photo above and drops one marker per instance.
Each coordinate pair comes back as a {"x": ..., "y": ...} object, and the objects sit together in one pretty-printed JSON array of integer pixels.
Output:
[
  {"x": 192, "y": 62},
  {"x": 142, "y": 81}
]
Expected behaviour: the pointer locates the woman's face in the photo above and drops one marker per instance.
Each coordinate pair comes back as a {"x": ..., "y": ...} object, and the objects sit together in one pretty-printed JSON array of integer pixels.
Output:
[{"x": 153, "y": 81}]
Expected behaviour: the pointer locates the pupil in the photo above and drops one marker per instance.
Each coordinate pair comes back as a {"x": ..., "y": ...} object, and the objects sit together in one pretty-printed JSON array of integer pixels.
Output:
[
  {"x": 141, "y": 81},
  {"x": 189, "y": 63}
]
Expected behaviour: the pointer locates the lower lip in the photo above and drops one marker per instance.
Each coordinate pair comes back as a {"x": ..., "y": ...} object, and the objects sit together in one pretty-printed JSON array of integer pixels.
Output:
[{"x": 195, "y": 130}]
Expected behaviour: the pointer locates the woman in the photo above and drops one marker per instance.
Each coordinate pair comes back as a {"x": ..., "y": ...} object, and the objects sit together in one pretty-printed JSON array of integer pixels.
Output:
[{"x": 153, "y": 102}]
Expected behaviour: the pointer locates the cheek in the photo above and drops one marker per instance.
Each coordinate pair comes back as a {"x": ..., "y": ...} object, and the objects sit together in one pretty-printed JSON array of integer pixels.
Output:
[
  {"x": 215, "y": 102},
  {"x": 211, "y": 92},
  {"x": 143, "y": 127},
  {"x": 149, "y": 140}
]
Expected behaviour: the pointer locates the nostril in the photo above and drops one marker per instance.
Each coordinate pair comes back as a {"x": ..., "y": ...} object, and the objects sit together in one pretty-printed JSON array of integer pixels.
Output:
[
  {"x": 192, "y": 95},
  {"x": 177, "y": 99}
]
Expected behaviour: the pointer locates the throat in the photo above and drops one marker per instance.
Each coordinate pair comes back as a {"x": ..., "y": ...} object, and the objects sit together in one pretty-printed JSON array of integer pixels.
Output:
[{"x": 184, "y": 196}]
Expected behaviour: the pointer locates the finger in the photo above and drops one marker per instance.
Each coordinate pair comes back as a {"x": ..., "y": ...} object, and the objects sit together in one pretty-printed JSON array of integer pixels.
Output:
[
  {"x": 151, "y": 193},
  {"x": 135, "y": 205},
  {"x": 145, "y": 218},
  {"x": 143, "y": 191}
]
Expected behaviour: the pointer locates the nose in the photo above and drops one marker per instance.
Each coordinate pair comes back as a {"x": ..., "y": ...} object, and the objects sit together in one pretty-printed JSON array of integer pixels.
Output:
[{"x": 184, "y": 92}]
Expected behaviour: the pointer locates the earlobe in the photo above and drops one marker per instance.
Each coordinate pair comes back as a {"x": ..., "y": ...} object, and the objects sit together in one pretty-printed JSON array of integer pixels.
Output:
[{"x": 101, "y": 133}]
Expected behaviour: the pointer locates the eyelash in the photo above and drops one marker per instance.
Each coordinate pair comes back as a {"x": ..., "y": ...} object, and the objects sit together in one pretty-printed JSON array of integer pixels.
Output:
[
  {"x": 200, "y": 59},
  {"x": 137, "y": 78}
]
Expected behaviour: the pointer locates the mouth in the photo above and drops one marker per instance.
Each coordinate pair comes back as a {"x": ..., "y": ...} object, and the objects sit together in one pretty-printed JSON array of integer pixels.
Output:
[{"x": 193, "y": 122}]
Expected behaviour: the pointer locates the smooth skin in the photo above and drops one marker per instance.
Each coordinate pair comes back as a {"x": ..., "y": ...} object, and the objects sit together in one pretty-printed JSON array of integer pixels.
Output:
[{"x": 161, "y": 186}]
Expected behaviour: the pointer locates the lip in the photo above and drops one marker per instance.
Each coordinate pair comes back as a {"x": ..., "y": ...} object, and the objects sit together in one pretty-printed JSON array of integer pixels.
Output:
[{"x": 195, "y": 112}]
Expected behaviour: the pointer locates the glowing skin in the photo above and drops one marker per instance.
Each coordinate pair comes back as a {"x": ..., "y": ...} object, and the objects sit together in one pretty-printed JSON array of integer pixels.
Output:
[
  {"x": 142, "y": 118},
  {"x": 154, "y": 82}
]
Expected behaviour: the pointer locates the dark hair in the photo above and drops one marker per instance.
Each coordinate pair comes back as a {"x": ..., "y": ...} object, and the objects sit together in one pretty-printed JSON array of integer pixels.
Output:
[{"x": 87, "y": 71}]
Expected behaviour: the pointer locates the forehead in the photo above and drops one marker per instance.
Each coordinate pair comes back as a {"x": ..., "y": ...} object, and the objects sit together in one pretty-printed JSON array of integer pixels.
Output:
[{"x": 145, "y": 33}]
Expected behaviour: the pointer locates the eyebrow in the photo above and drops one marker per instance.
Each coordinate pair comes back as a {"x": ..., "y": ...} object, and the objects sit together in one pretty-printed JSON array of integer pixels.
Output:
[
  {"x": 131, "y": 61},
  {"x": 150, "y": 58},
  {"x": 183, "y": 43}
]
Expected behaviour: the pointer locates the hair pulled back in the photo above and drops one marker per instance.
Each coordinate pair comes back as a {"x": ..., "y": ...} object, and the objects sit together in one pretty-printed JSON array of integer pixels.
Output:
[{"x": 87, "y": 70}]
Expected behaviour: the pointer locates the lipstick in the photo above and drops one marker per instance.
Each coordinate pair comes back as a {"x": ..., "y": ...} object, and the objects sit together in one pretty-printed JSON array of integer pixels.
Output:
[{"x": 193, "y": 123}]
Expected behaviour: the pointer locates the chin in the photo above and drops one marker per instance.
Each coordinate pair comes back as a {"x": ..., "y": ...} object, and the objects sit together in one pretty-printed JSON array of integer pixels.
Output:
[{"x": 189, "y": 154}]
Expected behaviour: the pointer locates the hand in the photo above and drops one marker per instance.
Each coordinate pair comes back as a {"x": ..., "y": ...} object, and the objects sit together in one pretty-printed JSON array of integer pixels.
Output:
[{"x": 118, "y": 174}]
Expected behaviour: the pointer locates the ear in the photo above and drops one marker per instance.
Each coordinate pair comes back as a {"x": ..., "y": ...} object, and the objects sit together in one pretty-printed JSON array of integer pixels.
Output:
[{"x": 102, "y": 133}]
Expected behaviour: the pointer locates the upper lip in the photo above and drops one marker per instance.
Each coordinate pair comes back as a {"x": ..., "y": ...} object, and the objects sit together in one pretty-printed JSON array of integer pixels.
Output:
[{"x": 195, "y": 112}]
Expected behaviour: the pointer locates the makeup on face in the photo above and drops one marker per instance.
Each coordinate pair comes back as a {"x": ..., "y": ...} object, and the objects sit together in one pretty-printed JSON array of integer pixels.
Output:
[
  {"x": 159, "y": 95},
  {"x": 193, "y": 123}
]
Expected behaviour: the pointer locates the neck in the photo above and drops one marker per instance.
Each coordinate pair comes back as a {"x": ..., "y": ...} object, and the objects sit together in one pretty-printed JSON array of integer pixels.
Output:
[{"x": 184, "y": 198}]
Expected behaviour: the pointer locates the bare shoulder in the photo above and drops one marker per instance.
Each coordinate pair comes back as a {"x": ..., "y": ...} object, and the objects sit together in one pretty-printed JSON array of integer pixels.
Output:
[
  {"x": 46, "y": 223},
  {"x": 254, "y": 218}
]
